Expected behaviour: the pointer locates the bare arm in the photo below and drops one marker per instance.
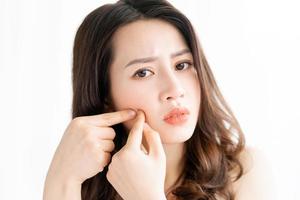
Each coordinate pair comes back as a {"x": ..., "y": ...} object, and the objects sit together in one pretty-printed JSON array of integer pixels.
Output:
[{"x": 61, "y": 189}]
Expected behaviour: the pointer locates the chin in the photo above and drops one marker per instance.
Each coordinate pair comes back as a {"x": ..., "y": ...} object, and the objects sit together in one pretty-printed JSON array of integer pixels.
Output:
[
  {"x": 174, "y": 140},
  {"x": 175, "y": 134},
  {"x": 172, "y": 137}
]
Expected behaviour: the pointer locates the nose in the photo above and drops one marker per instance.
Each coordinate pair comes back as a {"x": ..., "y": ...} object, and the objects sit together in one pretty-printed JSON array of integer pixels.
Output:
[{"x": 172, "y": 88}]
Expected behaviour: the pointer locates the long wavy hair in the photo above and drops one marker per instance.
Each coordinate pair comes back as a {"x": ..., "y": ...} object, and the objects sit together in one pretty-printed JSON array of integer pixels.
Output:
[{"x": 212, "y": 161}]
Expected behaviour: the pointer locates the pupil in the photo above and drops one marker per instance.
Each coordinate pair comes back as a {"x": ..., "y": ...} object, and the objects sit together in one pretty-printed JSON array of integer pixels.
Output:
[
  {"x": 142, "y": 73},
  {"x": 180, "y": 66}
]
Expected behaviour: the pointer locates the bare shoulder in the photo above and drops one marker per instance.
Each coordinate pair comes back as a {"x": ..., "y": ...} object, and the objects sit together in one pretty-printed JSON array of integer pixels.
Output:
[{"x": 257, "y": 181}]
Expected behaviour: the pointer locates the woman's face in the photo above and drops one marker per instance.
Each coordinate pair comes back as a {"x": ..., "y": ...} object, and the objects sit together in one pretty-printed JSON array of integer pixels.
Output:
[{"x": 165, "y": 79}]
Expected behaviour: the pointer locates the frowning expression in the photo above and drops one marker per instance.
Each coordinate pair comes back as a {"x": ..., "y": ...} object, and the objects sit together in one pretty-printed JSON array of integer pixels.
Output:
[{"x": 153, "y": 70}]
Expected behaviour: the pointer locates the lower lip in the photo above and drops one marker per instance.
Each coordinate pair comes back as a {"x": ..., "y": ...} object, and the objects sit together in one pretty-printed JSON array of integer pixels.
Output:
[{"x": 177, "y": 119}]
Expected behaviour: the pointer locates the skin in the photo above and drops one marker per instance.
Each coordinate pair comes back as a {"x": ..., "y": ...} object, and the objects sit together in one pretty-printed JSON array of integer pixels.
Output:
[
  {"x": 165, "y": 86},
  {"x": 85, "y": 147},
  {"x": 131, "y": 162},
  {"x": 160, "y": 87}
]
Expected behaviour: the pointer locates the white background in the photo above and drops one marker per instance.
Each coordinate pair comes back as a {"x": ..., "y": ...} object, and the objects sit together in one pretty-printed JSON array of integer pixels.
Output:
[{"x": 252, "y": 46}]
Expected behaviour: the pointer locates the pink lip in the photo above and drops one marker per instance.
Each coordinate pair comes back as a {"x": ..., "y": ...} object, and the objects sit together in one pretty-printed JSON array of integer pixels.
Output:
[{"x": 177, "y": 116}]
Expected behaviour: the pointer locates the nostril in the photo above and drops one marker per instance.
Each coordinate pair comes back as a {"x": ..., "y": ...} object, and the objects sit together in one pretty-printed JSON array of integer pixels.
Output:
[{"x": 175, "y": 96}]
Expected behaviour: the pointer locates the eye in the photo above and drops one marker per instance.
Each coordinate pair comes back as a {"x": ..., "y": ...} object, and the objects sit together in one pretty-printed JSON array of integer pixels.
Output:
[
  {"x": 142, "y": 73},
  {"x": 183, "y": 65}
]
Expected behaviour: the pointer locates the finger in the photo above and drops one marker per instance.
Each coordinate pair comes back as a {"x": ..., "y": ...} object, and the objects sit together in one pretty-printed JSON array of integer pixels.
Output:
[
  {"x": 109, "y": 119},
  {"x": 107, "y": 145},
  {"x": 135, "y": 135},
  {"x": 105, "y": 159},
  {"x": 155, "y": 146},
  {"x": 102, "y": 133}
]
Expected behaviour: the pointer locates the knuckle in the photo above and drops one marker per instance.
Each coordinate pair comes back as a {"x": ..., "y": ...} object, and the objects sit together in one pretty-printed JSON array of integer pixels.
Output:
[
  {"x": 104, "y": 158},
  {"x": 79, "y": 123},
  {"x": 110, "y": 145},
  {"x": 113, "y": 133},
  {"x": 109, "y": 132},
  {"x": 113, "y": 146},
  {"x": 106, "y": 145},
  {"x": 78, "y": 126},
  {"x": 108, "y": 158}
]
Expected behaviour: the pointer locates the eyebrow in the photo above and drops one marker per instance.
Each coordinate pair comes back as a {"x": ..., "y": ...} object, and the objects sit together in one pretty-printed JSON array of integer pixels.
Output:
[{"x": 151, "y": 59}]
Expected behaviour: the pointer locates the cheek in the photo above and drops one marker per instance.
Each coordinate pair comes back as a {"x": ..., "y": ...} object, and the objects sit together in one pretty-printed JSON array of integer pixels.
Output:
[
  {"x": 129, "y": 97},
  {"x": 132, "y": 97},
  {"x": 121, "y": 92}
]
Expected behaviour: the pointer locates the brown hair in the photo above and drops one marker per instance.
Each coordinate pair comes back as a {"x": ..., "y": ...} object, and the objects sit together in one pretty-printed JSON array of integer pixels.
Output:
[{"x": 212, "y": 153}]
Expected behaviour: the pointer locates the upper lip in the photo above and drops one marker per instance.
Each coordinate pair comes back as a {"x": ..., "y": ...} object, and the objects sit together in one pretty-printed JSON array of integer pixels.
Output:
[{"x": 177, "y": 111}]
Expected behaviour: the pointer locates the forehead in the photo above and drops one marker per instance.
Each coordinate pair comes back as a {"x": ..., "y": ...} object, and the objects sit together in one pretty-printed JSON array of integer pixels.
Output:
[{"x": 151, "y": 37}]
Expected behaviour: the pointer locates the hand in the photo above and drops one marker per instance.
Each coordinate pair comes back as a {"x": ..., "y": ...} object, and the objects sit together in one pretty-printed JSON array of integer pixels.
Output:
[
  {"x": 85, "y": 147},
  {"x": 134, "y": 173}
]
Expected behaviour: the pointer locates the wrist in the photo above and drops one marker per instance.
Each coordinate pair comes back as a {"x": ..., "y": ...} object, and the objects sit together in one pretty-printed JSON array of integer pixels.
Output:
[{"x": 60, "y": 188}]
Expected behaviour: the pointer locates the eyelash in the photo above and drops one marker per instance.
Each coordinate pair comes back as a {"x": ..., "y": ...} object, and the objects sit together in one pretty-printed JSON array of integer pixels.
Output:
[{"x": 145, "y": 69}]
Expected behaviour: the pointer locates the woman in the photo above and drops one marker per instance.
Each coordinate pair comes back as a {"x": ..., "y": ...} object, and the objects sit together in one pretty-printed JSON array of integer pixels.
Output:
[{"x": 182, "y": 140}]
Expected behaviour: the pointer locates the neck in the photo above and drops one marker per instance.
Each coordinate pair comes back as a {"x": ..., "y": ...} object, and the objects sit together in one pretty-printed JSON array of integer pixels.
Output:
[{"x": 174, "y": 165}]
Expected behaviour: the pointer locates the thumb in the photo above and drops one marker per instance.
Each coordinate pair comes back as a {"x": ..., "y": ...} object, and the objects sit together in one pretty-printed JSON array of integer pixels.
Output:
[
  {"x": 135, "y": 135},
  {"x": 154, "y": 142}
]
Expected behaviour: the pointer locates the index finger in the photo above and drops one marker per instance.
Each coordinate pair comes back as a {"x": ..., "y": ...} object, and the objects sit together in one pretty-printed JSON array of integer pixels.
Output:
[{"x": 109, "y": 119}]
